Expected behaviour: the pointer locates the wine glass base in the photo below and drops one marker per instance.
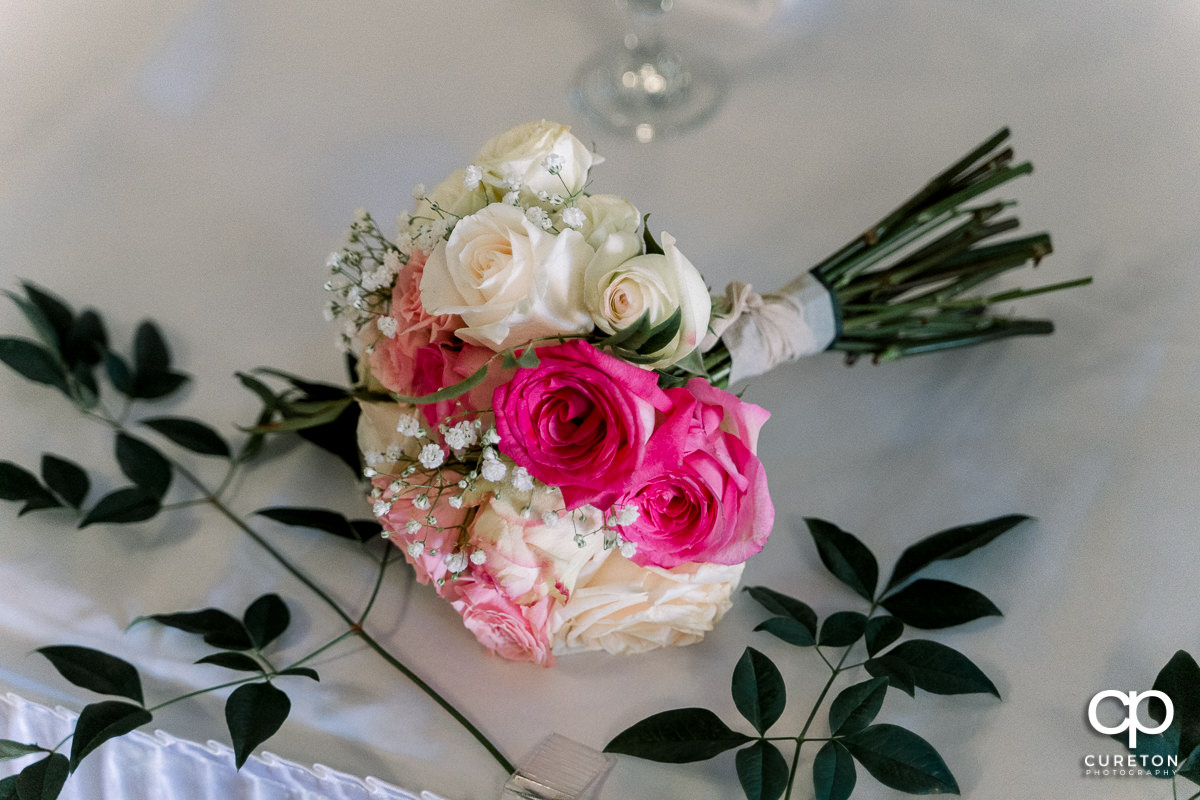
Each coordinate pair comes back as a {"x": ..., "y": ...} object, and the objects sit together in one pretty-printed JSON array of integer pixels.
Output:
[{"x": 648, "y": 95}]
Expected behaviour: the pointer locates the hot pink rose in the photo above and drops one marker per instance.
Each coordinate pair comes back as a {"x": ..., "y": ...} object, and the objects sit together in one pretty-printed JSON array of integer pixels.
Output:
[
  {"x": 511, "y": 631},
  {"x": 581, "y": 420},
  {"x": 710, "y": 504}
]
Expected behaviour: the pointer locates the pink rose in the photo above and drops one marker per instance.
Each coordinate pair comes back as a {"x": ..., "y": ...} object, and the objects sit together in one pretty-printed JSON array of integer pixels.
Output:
[
  {"x": 392, "y": 359},
  {"x": 527, "y": 559},
  {"x": 427, "y": 560},
  {"x": 511, "y": 631},
  {"x": 581, "y": 420},
  {"x": 710, "y": 504},
  {"x": 424, "y": 355}
]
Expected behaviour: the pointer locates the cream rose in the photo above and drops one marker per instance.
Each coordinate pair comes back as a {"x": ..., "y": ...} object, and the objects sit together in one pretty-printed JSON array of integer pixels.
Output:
[
  {"x": 520, "y": 155},
  {"x": 617, "y": 293},
  {"x": 605, "y": 215},
  {"x": 509, "y": 280},
  {"x": 622, "y": 608},
  {"x": 453, "y": 197}
]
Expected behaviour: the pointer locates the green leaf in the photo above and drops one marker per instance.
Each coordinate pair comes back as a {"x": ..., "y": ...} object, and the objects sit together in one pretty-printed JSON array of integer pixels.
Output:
[
  {"x": 934, "y": 667},
  {"x": 833, "y": 772},
  {"x": 190, "y": 434},
  {"x": 8, "y": 788},
  {"x": 102, "y": 721},
  {"x": 303, "y": 672},
  {"x": 150, "y": 353},
  {"x": 265, "y": 619},
  {"x": 216, "y": 627},
  {"x": 231, "y": 660},
  {"x": 157, "y": 385},
  {"x": 253, "y": 713},
  {"x": 881, "y": 632},
  {"x": 928, "y": 603},
  {"x": 10, "y": 749},
  {"x": 33, "y": 362},
  {"x": 528, "y": 359},
  {"x": 95, "y": 670},
  {"x": 900, "y": 759},
  {"x": 678, "y": 736},
  {"x": 131, "y": 504},
  {"x": 447, "y": 392},
  {"x": 339, "y": 437},
  {"x": 785, "y": 606},
  {"x": 762, "y": 770},
  {"x": 18, "y": 483},
  {"x": 758, "y": 690},
  {"x": 86, "y": 390},
  {"x": 789, "y": 630},
  {"x": 1179, "y": 679},
  {"x": 66, "y": 479},
  {"x": 630, "y": 333},
  {"x": 43, "y": 780},
  {"x": 318, "y": 519},
  {"x": 662, "y": 334},
  {"x": 366, "y": 529},
  {"x": 119, "y": 373},
  {"x": 949, "y": 544},
  {"x": 855, "y": 706},
  {"x": 152, "y": 374},
  {"x": 842, "y": 629},
  {"x": 898, "y": 673},
  {"x": 37, "y": 320},
  {"x": 845, "y": 556},
  {"x": 1189, "y": 767},
  {"x": 311, "y": 389},
  {"x": 270, "y": 400},
  {"x": 56, "y": 312},
  {"x": 144, "y": 465},
  {"x": 88, "y": 340},
  {"x": 652, "y": 247}
]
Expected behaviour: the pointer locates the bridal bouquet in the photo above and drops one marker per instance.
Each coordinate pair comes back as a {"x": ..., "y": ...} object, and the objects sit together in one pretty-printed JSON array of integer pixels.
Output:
[{"x": 545, "y": 418}]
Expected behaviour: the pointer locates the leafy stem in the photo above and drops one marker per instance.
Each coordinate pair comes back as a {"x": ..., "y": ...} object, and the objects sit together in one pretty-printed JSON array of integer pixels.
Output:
[
  {"x": 894, "y": 756},
  {"x": 355, "y": 625}
]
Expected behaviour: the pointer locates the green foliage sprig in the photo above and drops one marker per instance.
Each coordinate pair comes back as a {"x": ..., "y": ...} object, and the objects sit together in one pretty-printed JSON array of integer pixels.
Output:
[
  {"x": 893, "y": 755},
  {"x": 1179, "y": 744},
  {"x": 72, "y": 355}
]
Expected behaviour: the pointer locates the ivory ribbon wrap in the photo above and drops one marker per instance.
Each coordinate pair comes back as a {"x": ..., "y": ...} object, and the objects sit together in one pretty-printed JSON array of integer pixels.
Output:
[{"x": 764, "y": 331}]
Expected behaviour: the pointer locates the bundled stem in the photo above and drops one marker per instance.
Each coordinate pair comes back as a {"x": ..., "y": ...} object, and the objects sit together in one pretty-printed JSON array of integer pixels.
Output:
[{"x": 903, "y": 287}]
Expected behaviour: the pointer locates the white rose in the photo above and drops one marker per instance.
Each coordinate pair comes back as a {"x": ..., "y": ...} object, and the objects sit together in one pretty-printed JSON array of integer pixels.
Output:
[
  {"x": 518, "y": 156},
  {"x": 528, "y": 559},
  {"x": 607, "y": 214},
  {"x": 622, "y": 608},
  {"x": 454, "y": 199},
  {"x": 377, "y": 432},
  {"x": 509, "y": 280},
  {"x": 617, "y": 293}
]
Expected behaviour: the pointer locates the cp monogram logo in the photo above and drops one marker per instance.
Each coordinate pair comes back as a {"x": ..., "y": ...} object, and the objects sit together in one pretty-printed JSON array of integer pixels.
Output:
[{"x": 1132, "y": 722}]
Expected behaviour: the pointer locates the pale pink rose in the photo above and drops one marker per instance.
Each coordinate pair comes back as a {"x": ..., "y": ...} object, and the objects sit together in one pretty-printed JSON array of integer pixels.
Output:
[
  {"x": 429, "y": 560},
  {"x": 581, "y": 420},
  {"x": 710, "y": 503},
  {"x": 511, "y": 631},
  {"x": 527, "y": 559}
]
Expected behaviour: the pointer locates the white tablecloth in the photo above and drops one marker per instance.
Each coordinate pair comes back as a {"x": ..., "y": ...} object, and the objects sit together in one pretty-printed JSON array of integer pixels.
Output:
[{"x": 195, "y": 162}]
